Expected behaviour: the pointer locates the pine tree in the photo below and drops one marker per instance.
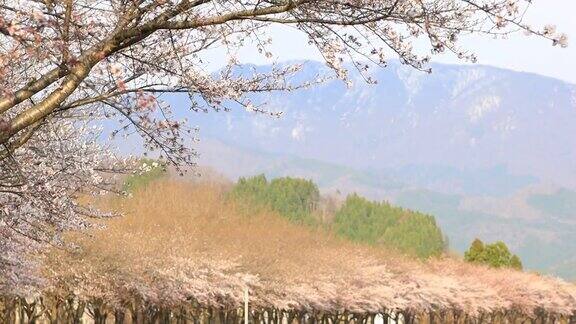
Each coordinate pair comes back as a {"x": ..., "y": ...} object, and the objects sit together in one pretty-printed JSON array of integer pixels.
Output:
[{"x": 379, "y": 223}]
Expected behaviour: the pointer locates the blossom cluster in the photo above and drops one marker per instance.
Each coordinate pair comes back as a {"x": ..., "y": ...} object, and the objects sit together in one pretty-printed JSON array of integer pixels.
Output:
[{"x": 41, "y": 184}]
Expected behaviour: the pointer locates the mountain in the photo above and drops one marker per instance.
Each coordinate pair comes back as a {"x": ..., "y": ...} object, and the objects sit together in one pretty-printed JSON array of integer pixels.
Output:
[
  {"x": 463, "y": 117},
  {"x": 489, "y": 152}
]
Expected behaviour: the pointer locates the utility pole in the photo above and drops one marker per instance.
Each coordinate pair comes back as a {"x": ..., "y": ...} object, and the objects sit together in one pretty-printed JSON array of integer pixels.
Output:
[{"x": 246, "y": 305}]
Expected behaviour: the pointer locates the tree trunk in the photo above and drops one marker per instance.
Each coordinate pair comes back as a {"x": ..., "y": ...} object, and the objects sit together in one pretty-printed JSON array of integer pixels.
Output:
[
  {"x": 119, "y": 317},
  {"x": 78, "y": 313}
]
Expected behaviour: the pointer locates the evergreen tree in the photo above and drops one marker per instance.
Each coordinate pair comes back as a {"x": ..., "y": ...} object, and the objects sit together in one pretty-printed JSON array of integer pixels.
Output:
[
  {"x": 515, "y": 262},
  {"x": 380, "y": 223},
  {"x": 496, "y": 255},
  {"x": 359, "y": 219},
  {"x": 292, "y": 198}
]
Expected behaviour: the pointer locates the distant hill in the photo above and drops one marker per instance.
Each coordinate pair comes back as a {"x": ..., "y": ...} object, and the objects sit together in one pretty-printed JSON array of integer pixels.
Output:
[
  {"x": 487, "y": 151},
  {"x": 536, "y": 222}
]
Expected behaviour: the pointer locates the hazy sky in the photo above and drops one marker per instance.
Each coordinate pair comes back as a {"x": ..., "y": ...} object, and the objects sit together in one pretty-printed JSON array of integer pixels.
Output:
[{"x": 520, "y": 52}]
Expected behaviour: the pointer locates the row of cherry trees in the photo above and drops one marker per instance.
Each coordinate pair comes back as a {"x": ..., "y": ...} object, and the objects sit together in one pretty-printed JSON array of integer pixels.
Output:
[{"x": 69, "y": 310}]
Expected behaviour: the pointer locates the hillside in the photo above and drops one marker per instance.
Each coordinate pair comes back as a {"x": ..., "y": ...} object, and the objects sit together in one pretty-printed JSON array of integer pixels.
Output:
[
  {"x": 356, "y": 218},
  {"x": 467, "y": 144},
  {"x": 531, "y": 220},
  {"x": 190, "y": 253}
]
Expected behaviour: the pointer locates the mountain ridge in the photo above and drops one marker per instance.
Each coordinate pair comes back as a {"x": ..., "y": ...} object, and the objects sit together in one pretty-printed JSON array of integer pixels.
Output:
[{"x": 480, "y": 118}]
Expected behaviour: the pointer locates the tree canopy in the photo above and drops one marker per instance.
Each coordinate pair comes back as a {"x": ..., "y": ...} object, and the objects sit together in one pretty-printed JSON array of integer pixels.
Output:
[
  {"x": 293, "y": 198},
  {"x": 496, "y": 255},
  {"x": 382, "y": 224}
]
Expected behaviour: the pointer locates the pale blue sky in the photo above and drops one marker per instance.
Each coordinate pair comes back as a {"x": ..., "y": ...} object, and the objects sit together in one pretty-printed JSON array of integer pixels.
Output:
[{"x": 520, "y": 52}]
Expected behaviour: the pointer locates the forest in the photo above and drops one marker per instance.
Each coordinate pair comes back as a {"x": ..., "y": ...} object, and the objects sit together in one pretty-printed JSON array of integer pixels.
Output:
[{"x": 356, "y": 219}]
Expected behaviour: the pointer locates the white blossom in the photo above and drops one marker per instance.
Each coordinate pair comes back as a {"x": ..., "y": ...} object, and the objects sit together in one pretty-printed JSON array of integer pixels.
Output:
[{"x": 40, "y": 184}]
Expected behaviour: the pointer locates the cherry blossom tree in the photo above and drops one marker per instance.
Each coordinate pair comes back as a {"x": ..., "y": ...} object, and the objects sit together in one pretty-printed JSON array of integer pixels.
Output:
[
  {"x": 65, "y": 63},
  {"x": 40, "y": 184}
]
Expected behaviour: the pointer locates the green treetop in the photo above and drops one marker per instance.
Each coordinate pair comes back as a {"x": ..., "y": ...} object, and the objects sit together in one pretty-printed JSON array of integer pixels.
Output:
[
  {"x": 292, "y": 198},
  {"x": 359, "y": 219},
  {"x": 380, "y": 223},
  {"x": 496, "y": 255}
]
